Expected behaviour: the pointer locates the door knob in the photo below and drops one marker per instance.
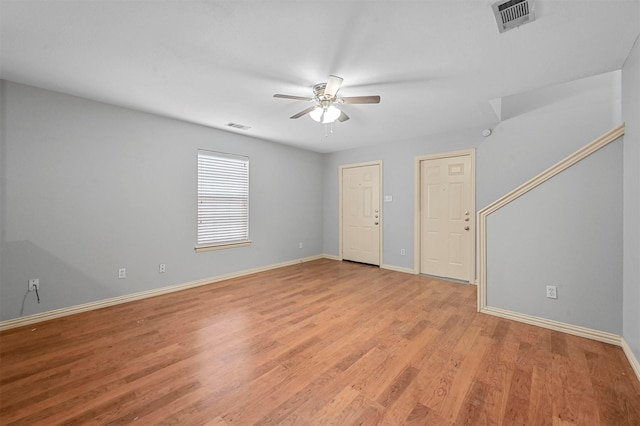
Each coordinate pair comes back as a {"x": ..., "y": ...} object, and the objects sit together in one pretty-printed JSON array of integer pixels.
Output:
[
  {"x": 375, "y": 223},
  {"x": 466, "y": 228}
]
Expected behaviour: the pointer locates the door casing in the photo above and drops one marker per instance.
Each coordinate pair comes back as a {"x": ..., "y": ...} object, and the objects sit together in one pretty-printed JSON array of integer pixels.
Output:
[
  {"x": 340, "y": 195},
  {"x": 416, "y": 203}
]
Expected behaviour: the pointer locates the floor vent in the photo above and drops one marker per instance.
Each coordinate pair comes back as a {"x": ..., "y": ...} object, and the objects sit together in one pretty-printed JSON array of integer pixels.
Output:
[
  {"x": 238, "y": 126},
  {"x": 513, "y": 13}
]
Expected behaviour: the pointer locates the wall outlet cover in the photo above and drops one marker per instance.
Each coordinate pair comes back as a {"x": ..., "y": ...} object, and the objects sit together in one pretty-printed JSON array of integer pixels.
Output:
[{"x": 34, "y": 283}]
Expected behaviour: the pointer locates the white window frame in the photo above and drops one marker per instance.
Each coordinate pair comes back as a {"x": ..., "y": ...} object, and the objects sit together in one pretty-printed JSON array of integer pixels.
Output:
[{"x": 222, "y": 201}]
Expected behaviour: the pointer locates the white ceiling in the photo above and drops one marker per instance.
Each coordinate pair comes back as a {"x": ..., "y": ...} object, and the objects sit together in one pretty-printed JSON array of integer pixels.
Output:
[{"x": 436, "y": 64}]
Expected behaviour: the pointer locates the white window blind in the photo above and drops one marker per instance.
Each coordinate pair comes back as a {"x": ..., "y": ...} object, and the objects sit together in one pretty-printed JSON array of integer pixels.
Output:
[{"x": 223, "y": 199}]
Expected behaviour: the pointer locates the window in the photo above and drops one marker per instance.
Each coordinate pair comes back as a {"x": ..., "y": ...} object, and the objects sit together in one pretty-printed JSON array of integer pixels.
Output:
[{"x": 223, "y": 200}]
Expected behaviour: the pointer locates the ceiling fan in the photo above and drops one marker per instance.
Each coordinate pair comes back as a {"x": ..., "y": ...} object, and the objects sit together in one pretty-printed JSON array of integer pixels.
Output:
[{"x": 325, "y": 96}]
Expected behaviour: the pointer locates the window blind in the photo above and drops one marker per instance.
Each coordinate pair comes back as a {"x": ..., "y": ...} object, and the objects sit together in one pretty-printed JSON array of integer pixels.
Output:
[{"x": 223, "y": 199}]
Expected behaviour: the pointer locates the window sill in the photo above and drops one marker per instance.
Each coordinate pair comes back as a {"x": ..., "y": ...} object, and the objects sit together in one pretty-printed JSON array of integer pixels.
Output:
[{"x": 198, "y": 249}]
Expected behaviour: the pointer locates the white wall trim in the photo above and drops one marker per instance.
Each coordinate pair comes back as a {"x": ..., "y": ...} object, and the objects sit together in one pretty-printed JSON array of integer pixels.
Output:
[
  {"x": 331, "y": 256},
  {"x": 399, "y": 269},
  {"x": 552, "y": 171},
  {"x": 600, "y": 336},
  {"x": 63, "y": 312},
  {"x": 417, "y": 181},
  {"x": 635, "y": 364}
]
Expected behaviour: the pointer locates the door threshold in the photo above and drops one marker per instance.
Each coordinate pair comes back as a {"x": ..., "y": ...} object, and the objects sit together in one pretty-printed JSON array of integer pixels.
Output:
[
  {"x": 453, "y": 280},
  {"x": 360, "y": 263}
]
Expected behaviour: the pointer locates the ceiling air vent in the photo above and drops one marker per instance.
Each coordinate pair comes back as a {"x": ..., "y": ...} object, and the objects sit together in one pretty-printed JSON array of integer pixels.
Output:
[
  {"x": 238, "y": 126},
  {"x": 513, "y": 13}
]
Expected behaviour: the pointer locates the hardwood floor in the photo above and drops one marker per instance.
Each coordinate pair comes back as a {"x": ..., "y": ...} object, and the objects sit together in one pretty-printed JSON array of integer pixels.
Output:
[{"x": 324, "y": 342}]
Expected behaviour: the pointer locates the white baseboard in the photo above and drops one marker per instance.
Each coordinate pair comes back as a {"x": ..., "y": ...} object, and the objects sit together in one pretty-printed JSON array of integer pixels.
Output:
[
  {"x": 63, "y": 312},
  {"x": 575, "y": 330},
  {"x": 399, "y": 269},
  {"x": 635, "y": 364},
  {"x": 331, "y": 256}
]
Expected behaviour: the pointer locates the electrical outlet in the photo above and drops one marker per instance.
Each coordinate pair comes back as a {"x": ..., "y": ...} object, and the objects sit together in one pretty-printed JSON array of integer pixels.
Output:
[
  {"x": 34, "y": 284},
  {"x": 552, "y": 292},
  {"x": 402, "y": 252},
  {"x": 122, "y": 273},
  {"x": 162, "y": 268},
  {"x": 300, "y": 245}
]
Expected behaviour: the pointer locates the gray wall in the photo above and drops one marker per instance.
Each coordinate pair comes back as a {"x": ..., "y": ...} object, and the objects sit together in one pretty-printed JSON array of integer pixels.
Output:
[
  {"x": 550, "y": 124},
  {"x": 546, "y": 129},
  {"x": 88, "y": 188},
  {"x": 568, "y": 233},
  {"x": 398, "y": 181},
  {"x": 547, "y": 126},
  {"x": 3, "y": 167},
  {"x": 631, "y": 183}
]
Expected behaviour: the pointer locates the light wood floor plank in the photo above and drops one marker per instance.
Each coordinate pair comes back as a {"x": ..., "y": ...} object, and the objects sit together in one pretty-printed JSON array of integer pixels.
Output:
[{"x": 325, "y": 342}]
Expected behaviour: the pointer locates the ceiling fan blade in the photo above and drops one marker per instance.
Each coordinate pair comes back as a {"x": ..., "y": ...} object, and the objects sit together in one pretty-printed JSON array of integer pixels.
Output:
[
  {"x": 360, "y": 100},
  {"x": 343, "y": 117},
  {"x": 297, "y": 98},
  {"x": 333, "y": 85},
  {"x": 301, "y": 113}
]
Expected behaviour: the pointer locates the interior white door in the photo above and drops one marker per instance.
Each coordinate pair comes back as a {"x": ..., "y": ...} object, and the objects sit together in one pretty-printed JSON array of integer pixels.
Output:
[
  {"x": 446, "y": 221},
  {"x": 361, "y": 215}
]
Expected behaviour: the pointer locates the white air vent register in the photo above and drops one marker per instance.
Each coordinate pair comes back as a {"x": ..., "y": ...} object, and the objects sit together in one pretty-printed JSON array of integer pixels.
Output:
[{"x": 513, "y": 13}]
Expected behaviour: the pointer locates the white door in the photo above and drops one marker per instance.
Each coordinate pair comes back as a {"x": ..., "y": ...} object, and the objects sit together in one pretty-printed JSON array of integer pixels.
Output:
[
  {"x": 446, "y": 219},
  {"x": 361, "y": 215}
]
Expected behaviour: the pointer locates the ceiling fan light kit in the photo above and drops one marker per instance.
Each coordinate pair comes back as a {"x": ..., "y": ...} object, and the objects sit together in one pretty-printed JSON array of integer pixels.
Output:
[
  {"x": 325, "y": 115},
  {"x": 325, "y": 96}
]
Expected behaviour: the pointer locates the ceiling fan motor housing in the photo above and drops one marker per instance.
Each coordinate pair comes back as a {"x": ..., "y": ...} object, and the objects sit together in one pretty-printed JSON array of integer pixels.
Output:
[{"x": 318, "y": 91}]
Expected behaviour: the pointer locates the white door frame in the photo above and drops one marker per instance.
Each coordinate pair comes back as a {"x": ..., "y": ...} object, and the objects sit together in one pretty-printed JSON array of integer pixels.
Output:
[
  {"x": 349, "y": 166},
  {"x": 417, "y": 234}
]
